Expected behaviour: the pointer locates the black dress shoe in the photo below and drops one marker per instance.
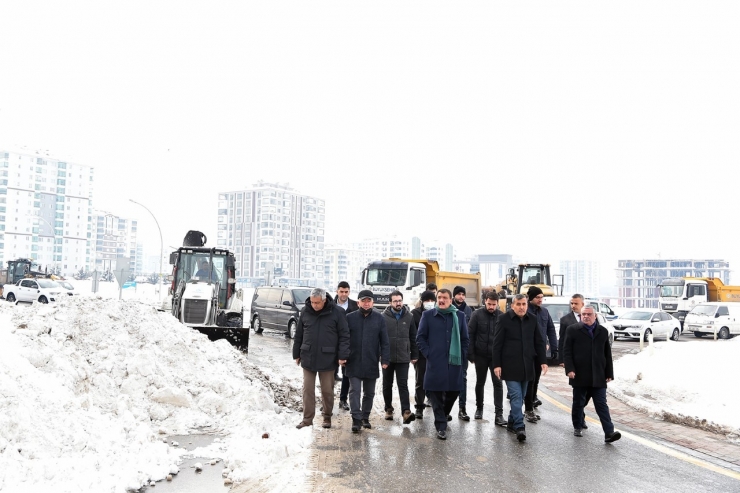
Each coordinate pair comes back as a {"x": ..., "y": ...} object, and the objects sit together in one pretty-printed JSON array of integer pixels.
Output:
[
  {"x": 442, "y": 435},
  {"x": 577, "y": 432},
  {"x": 537, "y": 403},
  {"x": 419, "y": 413},
  {"x": 612, "y": 437},
  {"x": 521, "y": 435},
  {"x": 366, "y": 424},
  {"x": 479, "y": 413},
  {"x": 500, "y": 421},
  {"x": 584, "y": 426},
  {"x": 356, "y": 425},
  {"x": 463, "y": 415}
]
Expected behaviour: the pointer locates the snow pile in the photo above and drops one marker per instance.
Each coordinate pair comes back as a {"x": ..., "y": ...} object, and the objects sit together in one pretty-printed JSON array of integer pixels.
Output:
[
  {"x": 89, "y": 387},
  {"x": 683, "y": 383}
]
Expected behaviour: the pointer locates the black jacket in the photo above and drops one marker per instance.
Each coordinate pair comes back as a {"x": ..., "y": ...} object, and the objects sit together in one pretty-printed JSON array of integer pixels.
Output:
[
  {"x": 481, "y": 328},
  {"x": 321, "y": 338},
  {"x": 517, "y": 346},
  {"x": 368, "y": 344},
  {"x": 401, "y": 335},
  {"x": 565, "y": 322},
  {"x": 590, "y": 359},
  {"x": 351, "y": 305},
  {"x": 417, "y": 313},
  {"x": 546, "y": 325}
]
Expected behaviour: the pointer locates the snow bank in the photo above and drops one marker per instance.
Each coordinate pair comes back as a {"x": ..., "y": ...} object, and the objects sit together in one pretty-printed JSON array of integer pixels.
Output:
[
  {"x": 89, "y": 387},
  {"x": 683, "y": 382}
]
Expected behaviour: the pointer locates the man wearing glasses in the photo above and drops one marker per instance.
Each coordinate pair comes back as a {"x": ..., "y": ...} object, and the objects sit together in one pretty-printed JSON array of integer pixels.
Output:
[
  {"x": 402, "y": 337},
  {"x": 588, "y": 364}
]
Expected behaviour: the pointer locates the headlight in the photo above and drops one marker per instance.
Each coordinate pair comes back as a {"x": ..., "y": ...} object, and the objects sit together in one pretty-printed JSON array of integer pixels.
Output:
[{"x": 710, "y": 322}]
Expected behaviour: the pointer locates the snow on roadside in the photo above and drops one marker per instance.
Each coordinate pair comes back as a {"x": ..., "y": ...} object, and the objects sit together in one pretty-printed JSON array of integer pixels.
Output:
[
  {"x": 683, "y": 383},
  {"x": 89, "y": 387}
]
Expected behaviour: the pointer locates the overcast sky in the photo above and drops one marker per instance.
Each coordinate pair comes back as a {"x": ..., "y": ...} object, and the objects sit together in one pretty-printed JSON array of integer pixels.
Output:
[{"x": 547, "y": 130}]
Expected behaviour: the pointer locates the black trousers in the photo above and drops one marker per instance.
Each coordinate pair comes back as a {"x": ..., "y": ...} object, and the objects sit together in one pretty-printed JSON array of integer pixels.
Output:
[
  {"x": 442, "y": 402},
  {"x": 401, "y": 372},
  {"x": 483, "y": 366},
  {"x": 580, "y": 398},
  {"x": 420, "y": 369},
  {"x": 532, "y": 388}
]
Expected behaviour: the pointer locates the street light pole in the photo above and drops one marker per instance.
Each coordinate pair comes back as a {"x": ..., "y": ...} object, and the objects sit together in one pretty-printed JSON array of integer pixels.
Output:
[{"x": 161, "y": 245}]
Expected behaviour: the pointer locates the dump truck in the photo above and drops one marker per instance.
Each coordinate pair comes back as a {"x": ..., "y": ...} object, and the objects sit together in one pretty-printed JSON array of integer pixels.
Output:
[
  {"x": 203, "y": 294},
  {"x": 411, "y": 276},
  {"x": 678, "y": 295}
]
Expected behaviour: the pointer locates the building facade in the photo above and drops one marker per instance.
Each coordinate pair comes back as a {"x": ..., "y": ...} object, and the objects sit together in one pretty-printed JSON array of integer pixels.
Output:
[
  {"x": 114, "y": 237},
  {"x": 272, "y": 228},
  {"x": 343, "y": 263},
  {"x": 492, "y": 267},
  {"x": 581, "y": 276},
  {"x": 637, "y": 280},
  {"x": 45, "y": 211}
]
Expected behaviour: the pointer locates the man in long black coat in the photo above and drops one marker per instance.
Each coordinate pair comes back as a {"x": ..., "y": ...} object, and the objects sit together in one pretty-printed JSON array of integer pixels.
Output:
[
  {"x": 588, "y": 364},
  {"x": 321, "y": 343},
  {"x": 517, "y": 344}
]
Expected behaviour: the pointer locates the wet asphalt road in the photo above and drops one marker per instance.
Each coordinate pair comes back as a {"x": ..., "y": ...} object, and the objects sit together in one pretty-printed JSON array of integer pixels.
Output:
[{"x": 479, "y": 456}]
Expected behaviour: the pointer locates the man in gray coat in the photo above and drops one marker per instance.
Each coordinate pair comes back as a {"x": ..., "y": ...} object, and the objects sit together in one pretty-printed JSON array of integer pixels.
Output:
[
  {"x": 321, "y": 343},
  {"x": 402, "y": 337},
  {"x": 368, "y": 345}
]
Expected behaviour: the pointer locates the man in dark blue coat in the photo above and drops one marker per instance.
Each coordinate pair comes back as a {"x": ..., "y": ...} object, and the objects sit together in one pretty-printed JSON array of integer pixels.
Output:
[
  {"x": 321, "y": 343},
  {"x": 368, "y": 345},
  {"x": 443, "y": 340},
  {"x": 547, "y": 331}
]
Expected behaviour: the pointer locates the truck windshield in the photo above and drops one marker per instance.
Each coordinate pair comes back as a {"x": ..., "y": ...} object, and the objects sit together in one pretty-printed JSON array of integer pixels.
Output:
[
  {"x": 671, "y": 291},
  {"x": 386, "y": 277},
  {"x": 535, "y": 275},
  {"x": 45, "y": 283},
  {"x": 707, "y": 310}
]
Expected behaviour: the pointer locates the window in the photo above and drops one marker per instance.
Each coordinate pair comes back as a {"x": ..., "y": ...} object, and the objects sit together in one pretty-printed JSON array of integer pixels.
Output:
[{"x": 723, "y": 311}]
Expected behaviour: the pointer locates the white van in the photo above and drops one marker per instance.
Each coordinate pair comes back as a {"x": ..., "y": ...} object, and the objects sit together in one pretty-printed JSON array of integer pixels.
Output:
[{"x": 707, "y": 317}]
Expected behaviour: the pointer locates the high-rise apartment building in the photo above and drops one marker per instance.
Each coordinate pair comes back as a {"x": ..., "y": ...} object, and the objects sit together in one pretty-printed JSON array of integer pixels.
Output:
[
  {"x": 637, "y": 280},
  {"x": 45, "y": 211},
  {"x": 407, "y": 247},
  {"x": 581, "y": 276},
  {"x": 272, "y": 226},
  {"x": 114, "y": 237}
]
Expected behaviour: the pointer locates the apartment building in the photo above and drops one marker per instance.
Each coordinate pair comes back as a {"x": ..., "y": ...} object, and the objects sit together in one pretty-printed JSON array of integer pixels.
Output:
[
  {"x": 581, "y": 276},
  {"x": 343, "y": 263},
  {"x": 114, "y": 237},
  {"x": 45, "y": 211}
]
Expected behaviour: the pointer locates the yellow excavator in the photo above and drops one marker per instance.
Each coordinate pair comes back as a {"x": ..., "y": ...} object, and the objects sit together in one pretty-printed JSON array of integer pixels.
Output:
[{"x": 520, "y": 279}]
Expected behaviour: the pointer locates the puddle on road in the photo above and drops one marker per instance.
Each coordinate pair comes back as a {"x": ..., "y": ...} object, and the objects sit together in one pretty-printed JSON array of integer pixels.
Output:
[{"x": 189, "y": 481}]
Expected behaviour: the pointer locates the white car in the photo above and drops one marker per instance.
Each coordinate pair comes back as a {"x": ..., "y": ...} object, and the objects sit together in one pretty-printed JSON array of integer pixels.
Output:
[
  {"x": 559, "y": 306},
  {"x": 68, "y": 287},
  {"x": 636, "y": 323},
  {"x": 30, "y": 290}
]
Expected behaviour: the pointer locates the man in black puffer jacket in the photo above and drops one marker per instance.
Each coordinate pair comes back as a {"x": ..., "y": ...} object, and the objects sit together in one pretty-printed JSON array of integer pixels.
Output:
[
  {"x": 402, "y": 338},
  {"x": 321, "y": 343},
  {"x": 481, "y": 328}
]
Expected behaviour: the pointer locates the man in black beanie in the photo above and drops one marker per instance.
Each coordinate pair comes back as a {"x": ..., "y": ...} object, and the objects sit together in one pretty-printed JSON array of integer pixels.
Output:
[
  {"x": 426, "y": 302},
  {"x": 458, "y": 299},
  {"x": 547, "y": 331}
]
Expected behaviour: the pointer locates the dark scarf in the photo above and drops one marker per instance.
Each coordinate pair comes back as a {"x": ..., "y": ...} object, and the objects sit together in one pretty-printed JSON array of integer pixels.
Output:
[
  {"x": 366, "y": 312},
  {"x": 591, "y": 329}
]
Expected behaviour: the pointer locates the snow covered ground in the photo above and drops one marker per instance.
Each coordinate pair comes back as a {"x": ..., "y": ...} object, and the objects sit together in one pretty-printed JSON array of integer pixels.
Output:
[
  {"x": 685, "y": 382},
  {"x": 90, "y": 387}
]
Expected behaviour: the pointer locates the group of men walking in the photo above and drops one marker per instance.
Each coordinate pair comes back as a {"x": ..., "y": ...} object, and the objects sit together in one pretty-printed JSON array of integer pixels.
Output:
[{"x": 440, "y": 336}]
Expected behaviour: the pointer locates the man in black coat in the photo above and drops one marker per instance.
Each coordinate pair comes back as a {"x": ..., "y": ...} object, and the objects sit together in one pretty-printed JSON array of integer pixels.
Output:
[
  {"x": 547, "y": 330},
  {"x": 459, "y": 294},
  {"x": 481, "y": 329},
  {"x": 426, "y": 302},
  {"x": 402, "y": 338},
  {"x": 321, "y": 343},
  {"x": 517, "y": 343},
  {"x": 343, "y": 300},
  {"x": 588, "y": 364},
  {"x": 368, "y": 345}
]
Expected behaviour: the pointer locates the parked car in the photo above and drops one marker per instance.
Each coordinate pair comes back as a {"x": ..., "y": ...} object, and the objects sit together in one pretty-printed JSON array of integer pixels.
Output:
[
  {"x": 707, "y": 317},
  {"x": 68, "y": 287},
  {"x": 602, "y": 308},
  {"x": 277, "y": 308},
  {"x": 652, "y": 321},
  {"x": 559, "y": 306},
  {"x": 30, "y": 290}
]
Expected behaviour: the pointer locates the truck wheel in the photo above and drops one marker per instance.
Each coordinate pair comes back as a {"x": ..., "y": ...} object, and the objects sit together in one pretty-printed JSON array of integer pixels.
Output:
[
  {"x": 724, "y": 333},
  {"x": 43, "y": 299},
  {"x": 698, "y": 334},
  {"x": 257, "y": 325},
  {"x": 292, "y": 326},
  {"x": 10, "y": 298}
]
